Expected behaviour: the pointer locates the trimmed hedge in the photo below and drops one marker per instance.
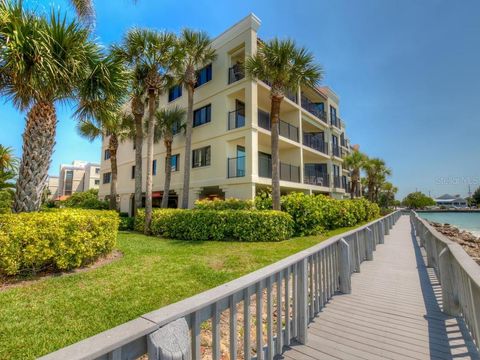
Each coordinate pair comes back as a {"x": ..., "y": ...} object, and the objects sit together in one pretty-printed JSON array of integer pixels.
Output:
[
  {"x": 228, "y": 204},
  {"x": 59, "y": 239},
  {"x": 239, "y": 225}
]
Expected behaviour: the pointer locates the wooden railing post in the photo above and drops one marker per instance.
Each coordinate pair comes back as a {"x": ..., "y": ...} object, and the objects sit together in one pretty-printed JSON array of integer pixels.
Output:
[
  {"x": 369, "y": 243},
  {"x": 447, "y": 280},
  {"x": 385, "y": 227},
  {"x": 344, "y": 267},
  {"x": 356, "y": 252},
  {"x": 302, "y": 297},
  {"x": 381, "y": 232}
]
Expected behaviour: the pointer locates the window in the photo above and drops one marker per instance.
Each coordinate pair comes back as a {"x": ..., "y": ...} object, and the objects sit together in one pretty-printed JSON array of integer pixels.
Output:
[
  {"x": 333, "y": 115},
  {"x": 107, "y": 177},
  {"x": 204, "y": 75},
  {"x": 175, "y": 162},
  {"x": 68, "y": 182},
  {"x": 202, "y": 116},
  {"x": 97, "y": 182},
  {"x": 97, "y": 170},
  {"x": 154, "y": 167},
  {"x": 176, "y": 128},
  {"x": 133, "y": 172},
  {"x": 201, "y": 157},
  {"x": 174, "y": 92},
  {"x": 106, "y": 155}
]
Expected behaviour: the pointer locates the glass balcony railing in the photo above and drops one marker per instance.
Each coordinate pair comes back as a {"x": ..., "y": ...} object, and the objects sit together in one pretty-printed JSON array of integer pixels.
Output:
[
  {"x": 286, "y": 130},
  {"x": 236, "y": 73},
  {"x": 313, "y": 176},
  {"x": 236, "y": 119},
  {"x": 337, "y": 182},
  {"x": 236, "y": 167},
  {"x": 336, "y": 150},
  {"x": 288, "y": 172},
  {"x": 316, "y": 142},
  {"x": 314, "y": 108}
]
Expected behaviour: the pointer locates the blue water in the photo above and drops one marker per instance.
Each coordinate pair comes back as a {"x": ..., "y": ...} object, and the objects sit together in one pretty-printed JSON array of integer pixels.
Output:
[{"x": 469, "y": 221}]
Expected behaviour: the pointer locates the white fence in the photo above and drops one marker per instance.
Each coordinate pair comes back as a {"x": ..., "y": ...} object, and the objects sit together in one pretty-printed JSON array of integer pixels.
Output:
[
  {"x": 457, "y": 272},
  {"x": 285, "y": 295}
]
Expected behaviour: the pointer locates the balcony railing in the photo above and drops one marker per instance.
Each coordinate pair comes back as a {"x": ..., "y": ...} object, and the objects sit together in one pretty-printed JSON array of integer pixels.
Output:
[
  {"x": 287, "y": 172},
  {"x": 236, "y": 167},
  {"x": 314, "y": 109},
  {"x": 236, "y": 119},
  {"x": 315, "y": 177},
  {"x": 314, "y": 141},
  {"x": 337, "y": 181},
  {"x": 236, "y": 73},
  {"x": 286, "y": 130},
  {"x": 336, "y": 150},
  {"x": 290, "y": 95},
  {"x": 335, "y": 121}
]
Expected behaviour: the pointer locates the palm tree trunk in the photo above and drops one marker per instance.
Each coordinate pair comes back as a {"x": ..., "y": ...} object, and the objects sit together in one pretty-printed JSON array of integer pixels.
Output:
[
  {"x": 38, "y": 143},
  {"x": 168, "y": 172},
  {"x": 113, "y": 147},
  {"x": 275, "y": 120},
  {"x": 138, "y": 111},
  {"x": 150, "y": 134},
  {"x": 188, "y": 148}
]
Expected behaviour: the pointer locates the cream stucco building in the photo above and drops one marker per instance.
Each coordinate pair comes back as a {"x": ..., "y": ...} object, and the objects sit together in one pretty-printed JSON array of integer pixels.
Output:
[
  {"x": 75, "y": 177},
  {"x": 231, "y": 136}
]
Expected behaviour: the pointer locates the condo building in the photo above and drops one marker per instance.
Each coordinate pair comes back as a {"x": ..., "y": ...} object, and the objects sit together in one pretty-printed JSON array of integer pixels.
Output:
[
  {"x": 231, "y": 155},
  {"x": 76, "y": 177}
]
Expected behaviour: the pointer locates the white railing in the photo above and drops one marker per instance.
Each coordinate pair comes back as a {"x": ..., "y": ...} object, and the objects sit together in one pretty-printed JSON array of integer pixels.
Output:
[
  {"x": 285, "y": 295},
  {"x": 457, "y": 272}
]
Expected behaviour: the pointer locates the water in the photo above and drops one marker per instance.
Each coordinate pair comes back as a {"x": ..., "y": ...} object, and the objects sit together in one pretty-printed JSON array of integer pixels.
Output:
[{"x": 469, "y": 221}]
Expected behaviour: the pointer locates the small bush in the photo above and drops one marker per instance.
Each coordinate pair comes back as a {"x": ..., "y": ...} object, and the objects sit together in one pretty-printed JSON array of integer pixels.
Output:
[
  {"x": 6, "y": 201},
  {"x": 228, "y": 204},
  {"x": 239, "y": 225},
  {"x": 126, "y": 223},
  {"x": 59, "y": 239},
  {"x": 306, "y": 213},
  {"x": 85, "y": 200}
]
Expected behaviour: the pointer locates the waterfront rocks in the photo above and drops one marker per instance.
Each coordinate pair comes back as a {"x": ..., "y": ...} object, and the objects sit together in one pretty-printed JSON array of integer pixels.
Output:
[{"x": 469, "y": 242}]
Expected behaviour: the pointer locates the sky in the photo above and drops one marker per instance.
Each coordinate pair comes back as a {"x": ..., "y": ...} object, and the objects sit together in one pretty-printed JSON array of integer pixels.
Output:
[{"x": 407, "y": 74}]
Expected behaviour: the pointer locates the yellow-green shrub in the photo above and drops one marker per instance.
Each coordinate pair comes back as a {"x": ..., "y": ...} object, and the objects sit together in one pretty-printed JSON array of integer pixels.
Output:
[
  {"x": 61, "y": 239},
  {"x": 239, "y": 225}
]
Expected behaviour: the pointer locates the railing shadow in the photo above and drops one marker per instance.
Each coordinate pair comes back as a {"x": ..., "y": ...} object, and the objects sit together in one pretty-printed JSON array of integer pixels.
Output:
[{"x": 449, "y": 337}]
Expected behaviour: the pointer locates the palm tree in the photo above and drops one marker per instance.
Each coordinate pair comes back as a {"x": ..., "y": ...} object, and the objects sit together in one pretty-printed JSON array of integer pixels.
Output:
[
  {"x": 355, "y": 162},
  {"x": 118, "y": 128},
  {"x": 168, "y": 120},
  {"x": 285, "y": 66},
  {"x": 377, "y": 172},
  {"x": 193, "y": 51},
  {"x": 8, "y": 161},
  {"x": 43, "y": 62},
  {"x": 388, "y": 192}
]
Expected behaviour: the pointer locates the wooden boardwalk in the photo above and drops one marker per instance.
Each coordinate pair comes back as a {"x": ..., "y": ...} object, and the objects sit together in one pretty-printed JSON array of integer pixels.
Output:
[{"x": 393, "y": 312}]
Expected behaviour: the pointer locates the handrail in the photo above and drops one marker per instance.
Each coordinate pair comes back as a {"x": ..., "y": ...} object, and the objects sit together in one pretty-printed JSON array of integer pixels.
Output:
[
  {"x": 457, "y": 272},
  {"x": 307, "y": 280}
]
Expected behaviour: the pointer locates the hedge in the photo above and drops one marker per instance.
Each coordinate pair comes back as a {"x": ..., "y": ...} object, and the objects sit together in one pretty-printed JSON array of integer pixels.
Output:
[
  {"x": 238, "y": 225},
  {"x": 228, "y": 204},
  {"x": 58, "y": 240}
]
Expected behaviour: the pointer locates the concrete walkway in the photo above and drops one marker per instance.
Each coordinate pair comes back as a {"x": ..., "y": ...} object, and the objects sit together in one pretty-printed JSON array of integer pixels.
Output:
[{"x": 393, "y": 312}]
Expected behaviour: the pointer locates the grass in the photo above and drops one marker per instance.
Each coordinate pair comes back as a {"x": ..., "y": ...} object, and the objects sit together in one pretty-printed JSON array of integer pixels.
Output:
[{"x": 42, "y": 316}]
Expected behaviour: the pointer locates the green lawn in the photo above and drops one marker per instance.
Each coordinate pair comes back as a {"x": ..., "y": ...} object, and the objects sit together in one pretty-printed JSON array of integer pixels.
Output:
[{"x": 48, "y": 314}]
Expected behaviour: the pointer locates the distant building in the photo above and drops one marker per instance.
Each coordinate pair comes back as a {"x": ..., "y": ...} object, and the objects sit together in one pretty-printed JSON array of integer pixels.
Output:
[
  {"x": 451, "y": 201},
  {"x": 78, "y": 177}
]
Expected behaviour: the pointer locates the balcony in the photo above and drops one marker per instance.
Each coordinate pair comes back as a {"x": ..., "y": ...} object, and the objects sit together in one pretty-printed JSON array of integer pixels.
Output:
[
  {"x": 314, "y": 108},
  {"x": 313, "y": 176},
  {"x": 337, "y": 182},
  {"x": 236, "y": 73},
  {"x": 236, "y": 167},
  {"x": 290, "y": 95},
  {"x": 286, "y": 130},
  {"x": 335, "y": 150},
  {"x": 315, "y": 141},
  {"x": 287, "y": 172},
  {"x": 236, "y": 119},
  {"x": 335, "y": 121}
]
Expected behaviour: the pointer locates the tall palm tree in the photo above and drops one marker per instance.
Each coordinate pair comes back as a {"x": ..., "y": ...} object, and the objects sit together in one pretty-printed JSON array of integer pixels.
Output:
[
  {"x": 153, "y": 51},
  {"x": 118, "y": 128},
  {"x": 355, "y": 162},
  {"x": 43, "y": 61},
  {"x": 377, "y": 172},
  {"x": 285, "y": 66},
  {"x": 389, "y": 191},
  {"x": 168, "y": 120},
  {"x": 193, "y": 51}
]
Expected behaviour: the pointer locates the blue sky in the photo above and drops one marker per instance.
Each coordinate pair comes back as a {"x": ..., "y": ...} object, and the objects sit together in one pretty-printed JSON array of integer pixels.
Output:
[{"x": 407, "y": 73}]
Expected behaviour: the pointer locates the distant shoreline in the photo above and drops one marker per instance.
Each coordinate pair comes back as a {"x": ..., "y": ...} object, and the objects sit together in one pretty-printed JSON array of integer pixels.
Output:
[{"x": 450, "y": 210}]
